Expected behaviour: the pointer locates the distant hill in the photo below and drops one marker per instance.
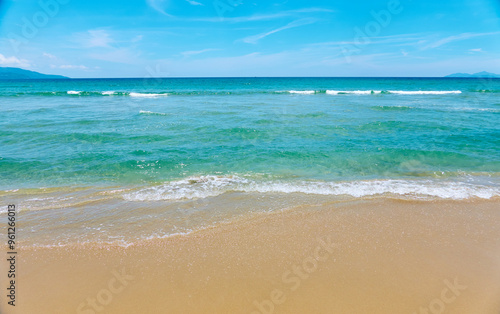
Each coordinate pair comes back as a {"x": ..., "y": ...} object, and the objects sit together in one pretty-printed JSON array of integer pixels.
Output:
[
  {"x": 479, "y": 74},
  {"x": 20, "y": 74}
]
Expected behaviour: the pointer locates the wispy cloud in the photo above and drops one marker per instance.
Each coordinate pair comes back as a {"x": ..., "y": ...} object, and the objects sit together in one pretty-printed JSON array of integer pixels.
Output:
[
  {"x": 399, "y": 40},
  {"x": 94, "y": 38},
  {"x": 137, "y": 38},
  {"x": 226, "y": 66},
  {"x": 159, "y": 6},
  {"x": 197, "y": 52},
  {"x": 119, "y": 55},
  {"x": 70, "y": 67},
  {"x": 459, "y": 37},
  {"x": 191, "y": 2},
  {"x": 107, "y": 45},
  {"x": 50, "y": 56},
  {"x": 13, "y": 61},
  {"x": 368, "y": 60},
  {"x": 263, "y": 17},
  {"x": 255, "y": 38}
]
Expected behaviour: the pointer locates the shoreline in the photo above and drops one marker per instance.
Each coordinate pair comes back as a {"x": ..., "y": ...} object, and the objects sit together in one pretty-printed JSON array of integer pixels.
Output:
[
  {"x": 125, "y": 215},
  {"x": 376, "y": 256}
]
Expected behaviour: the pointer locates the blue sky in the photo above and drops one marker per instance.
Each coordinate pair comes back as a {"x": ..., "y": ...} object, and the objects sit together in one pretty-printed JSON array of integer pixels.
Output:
[{"x": 179, "y": 38}]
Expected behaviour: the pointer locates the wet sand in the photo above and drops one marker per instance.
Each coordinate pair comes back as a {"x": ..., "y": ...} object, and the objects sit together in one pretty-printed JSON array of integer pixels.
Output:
[{"x": 370, "y": 256}]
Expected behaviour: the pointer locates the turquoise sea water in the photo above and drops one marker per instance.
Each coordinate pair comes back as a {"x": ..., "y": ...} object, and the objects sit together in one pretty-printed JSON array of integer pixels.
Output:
[{"x": 65, "y": 143}]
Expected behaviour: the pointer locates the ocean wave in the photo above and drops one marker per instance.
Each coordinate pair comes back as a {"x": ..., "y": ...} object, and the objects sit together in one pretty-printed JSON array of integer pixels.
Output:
[
  {"x": 145, "y": 112},
  {"x": 475, "y": 109},
  {"x": 485, "y": 91},
  {"x": 355, "y": 92},
  {"x": 211, "y": 186},
  {"x": 92, "y": 93},
  {"x": 232, "y": 92},
  {"x": 189, "y": 188},
  {"x": 396, "y": 92},
  {"x": 392, "y": 108},
  {"x": 423, "y": 92},
  {"x": 302, "y": 92},
  {"x": 146, "y": 95}
]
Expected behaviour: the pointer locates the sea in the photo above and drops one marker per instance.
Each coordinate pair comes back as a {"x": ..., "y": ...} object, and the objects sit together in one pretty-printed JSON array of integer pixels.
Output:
[{"x": 116, "y": 161}]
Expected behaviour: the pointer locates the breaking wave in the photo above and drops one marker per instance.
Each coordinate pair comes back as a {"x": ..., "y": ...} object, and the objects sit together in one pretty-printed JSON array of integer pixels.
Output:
[{"x": 210, "y": 186}]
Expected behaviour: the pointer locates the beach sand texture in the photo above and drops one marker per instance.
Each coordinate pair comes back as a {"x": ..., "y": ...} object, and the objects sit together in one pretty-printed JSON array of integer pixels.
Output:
[{"x": 369, "y": 256}]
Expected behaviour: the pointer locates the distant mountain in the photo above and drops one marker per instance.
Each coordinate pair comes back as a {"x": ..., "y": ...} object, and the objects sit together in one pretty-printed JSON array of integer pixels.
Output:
[
  {"x": 20, "y": 74},
  {"x": 479, "y": 74}
]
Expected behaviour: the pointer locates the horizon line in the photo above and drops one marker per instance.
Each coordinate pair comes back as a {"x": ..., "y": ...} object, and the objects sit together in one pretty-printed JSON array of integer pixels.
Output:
[{"x": 246, "y": 77}]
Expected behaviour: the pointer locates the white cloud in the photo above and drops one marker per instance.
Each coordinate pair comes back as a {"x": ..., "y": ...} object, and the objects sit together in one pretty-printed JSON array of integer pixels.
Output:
[
  {"x": 48, "y": 55},
  {"x": 13, "y": 61},
  {"x": 476, "y": 50},
  {"x": 255, "y": 38},
  {"x": 397, "y": 40},
  {"x": 121, "y": 55},
  {"x": 137, "y": 38},
  {"x": 459, "y": 37},
  {"x": 262, "y": 17},
  {"x": 69, "y": 66},
  {"x": 224, "y": 66},
  {"x": 194, "y": 2},
  {"x": 94, "y": 38},
  {"x": 159, "y": 5},
  {"x": 196, "y": 52}
]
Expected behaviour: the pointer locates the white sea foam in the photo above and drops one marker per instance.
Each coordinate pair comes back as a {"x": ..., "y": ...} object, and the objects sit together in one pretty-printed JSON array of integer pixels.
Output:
[
  {"x": 422, "y": 92},
  {"x": 303, "y": 92},
  {"x": 356, "y": 92},
  {"x": 120, "y": 241},
  {"x": 397, "y": 92},
  {"x": 72, "y": 92},
  {"x": 210, "y": 186},
  {"x": 153, "y": 113},
  {"x": 475, "y": 109},
  {"x": 108, "y": 93},
  {"x": 146, "y": 95},
  {"x": 189, "y": 188}
]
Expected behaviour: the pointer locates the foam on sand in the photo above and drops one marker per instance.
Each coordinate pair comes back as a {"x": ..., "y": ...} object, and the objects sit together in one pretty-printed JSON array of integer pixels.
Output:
[{"x": 210, "y": 186}]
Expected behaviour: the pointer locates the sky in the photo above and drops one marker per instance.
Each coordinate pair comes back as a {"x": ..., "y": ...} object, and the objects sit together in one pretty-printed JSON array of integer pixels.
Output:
[{"x": 228, "y": 38}]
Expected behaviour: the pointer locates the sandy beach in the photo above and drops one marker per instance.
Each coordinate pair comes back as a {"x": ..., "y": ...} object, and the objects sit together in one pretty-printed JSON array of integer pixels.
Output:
[
  {"x": 367, "y": 256},
  {"x": 253, "y": 157}
]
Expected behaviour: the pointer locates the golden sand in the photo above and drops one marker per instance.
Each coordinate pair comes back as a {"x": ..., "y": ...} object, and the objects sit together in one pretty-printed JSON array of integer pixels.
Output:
[{"x": 378, "y": 256}]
